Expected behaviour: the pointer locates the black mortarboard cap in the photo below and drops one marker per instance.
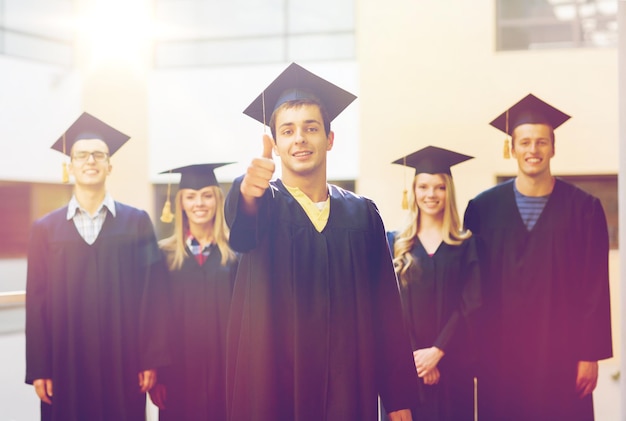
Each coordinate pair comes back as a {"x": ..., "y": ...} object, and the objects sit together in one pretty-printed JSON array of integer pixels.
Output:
[
  {"x": 295, "y": 82},
  {"x": 432, "y": 160},
  {"x": 197, "y": 176},
  {"x": 529, "y": 110},
  {"x": 90, "y": 127}
]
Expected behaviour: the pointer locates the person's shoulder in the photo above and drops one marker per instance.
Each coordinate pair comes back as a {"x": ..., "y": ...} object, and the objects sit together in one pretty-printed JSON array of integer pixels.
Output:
[
  {"x": 351, "y": 199},
  {"x": 573, "y": 195},
  {"x": 563, "y": 186},
  {"x": 52, "y": 216},
  {"x": 494, "y": 192},
  {"x": 497, "y": 190},
  {"x": 124, "y": 208},
  {"x": 341, "y": 193},
  {"x": 356, "y": 209}
]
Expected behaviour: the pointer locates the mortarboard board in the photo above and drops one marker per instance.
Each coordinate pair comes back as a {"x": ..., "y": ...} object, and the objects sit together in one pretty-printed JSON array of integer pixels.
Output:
[
  {"x": 430, "y": 160},
  {"x": 295, "y": 82},
  {"x": 90, "y": 127},
  {"x": 197, "y": 176},
  {"x": 194, "y": 177},
  {"x": 528, "y": 110}
]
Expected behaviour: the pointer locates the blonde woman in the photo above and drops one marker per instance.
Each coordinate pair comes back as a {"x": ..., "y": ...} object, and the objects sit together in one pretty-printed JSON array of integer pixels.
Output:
[
  {"x": 202, "y": 270},
  {"x": 438, "y": 275}
]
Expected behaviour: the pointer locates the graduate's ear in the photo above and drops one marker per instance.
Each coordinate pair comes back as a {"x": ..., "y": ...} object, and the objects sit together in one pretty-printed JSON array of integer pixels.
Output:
[
  {"x": 331, "y": 140},
  {"x": 69, "y": 169}
]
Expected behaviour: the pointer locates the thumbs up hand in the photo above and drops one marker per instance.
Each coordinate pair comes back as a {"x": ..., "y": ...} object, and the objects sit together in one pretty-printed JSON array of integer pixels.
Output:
[{"x": 259, "y": 173}]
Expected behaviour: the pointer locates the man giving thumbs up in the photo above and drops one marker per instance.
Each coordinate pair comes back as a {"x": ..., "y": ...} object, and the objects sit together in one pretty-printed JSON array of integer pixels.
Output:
[{"x": 316, "y": 330}]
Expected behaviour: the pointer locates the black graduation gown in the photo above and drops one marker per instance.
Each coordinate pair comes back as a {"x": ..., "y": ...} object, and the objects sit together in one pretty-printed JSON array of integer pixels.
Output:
[
  {"x": 95, "y": 315},
  {"x": 196, "y": 380},
  {"x": 438, "y": 305},
  {"x": 316, "y": 330},
  {"x": 546, "y": 302}
]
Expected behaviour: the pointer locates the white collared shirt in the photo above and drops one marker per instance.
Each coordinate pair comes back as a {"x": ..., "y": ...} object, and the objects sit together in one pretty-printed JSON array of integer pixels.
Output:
[{"x": 89, "y": 226}]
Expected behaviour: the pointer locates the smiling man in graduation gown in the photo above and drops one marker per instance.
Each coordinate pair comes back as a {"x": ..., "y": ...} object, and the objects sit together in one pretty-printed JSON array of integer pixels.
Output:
[
  {"x": 543, "y": 246},
  {"x": 95, "y": 304},
  {"x": 316, "y": 329}
]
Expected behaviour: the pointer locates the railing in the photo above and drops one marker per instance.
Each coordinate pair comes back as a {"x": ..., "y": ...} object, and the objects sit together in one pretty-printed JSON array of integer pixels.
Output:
[{"x": 12, "y": 298}]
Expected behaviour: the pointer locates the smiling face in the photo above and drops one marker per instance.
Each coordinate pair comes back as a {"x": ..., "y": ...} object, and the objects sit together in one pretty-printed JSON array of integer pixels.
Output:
[
  {"x": 533, "y": 147},
  {"x": 89, "y": 163},
  {"x": 199, "y": 206},
  {"x": 430, "y": 194},
  {"x": 301, "y": 142}
]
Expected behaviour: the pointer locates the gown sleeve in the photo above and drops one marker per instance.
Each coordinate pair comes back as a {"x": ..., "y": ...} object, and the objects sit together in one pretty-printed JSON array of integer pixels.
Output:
[
  {"x": 246, "y": 231},
  {"x": 38, "y": 364},
  {"x": 595, "y": 331},
  {"x": 398, "y": 384},
  {"x": 155, "y": 305},
  {"x": 469, "y": 302}
]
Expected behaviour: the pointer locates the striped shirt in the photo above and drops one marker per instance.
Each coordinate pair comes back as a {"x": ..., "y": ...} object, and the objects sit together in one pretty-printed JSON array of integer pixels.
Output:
[
  {"x": 89, "y": 226},
  {"x": 530, "y": 207}
]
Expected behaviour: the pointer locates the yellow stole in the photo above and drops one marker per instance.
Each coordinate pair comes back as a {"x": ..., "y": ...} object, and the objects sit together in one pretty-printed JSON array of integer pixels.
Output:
[{"x": 318, "y": 217}]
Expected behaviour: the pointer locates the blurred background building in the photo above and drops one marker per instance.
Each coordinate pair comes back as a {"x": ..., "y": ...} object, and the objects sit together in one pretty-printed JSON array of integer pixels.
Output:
[{"x": 176, "y": 75}]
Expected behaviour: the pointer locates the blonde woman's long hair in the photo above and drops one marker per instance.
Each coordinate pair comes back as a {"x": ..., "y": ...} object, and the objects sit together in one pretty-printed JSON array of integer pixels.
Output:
[
  {"x": 175, "y": 245},
  {"x": 451, "y": 230}
]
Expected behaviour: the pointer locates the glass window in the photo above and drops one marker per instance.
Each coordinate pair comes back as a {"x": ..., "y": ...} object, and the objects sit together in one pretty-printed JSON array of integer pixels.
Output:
[
  {"x": 540, "y": 24},
  {"x": 218, "y": 32},
  {"x": 306, "y": 16},
  {"x": 195, "y": 32},
  {"x": 37, "y": 30}
]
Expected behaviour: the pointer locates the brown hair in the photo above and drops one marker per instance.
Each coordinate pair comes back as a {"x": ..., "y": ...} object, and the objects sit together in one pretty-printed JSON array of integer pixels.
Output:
[{"x": 297, "y": 103}]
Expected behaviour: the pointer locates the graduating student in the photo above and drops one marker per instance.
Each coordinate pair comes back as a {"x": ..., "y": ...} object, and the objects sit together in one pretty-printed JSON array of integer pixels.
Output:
[
  {"x": 543, "y": 246},
  {"x": 316, "y": 328},
  {"x": 202, "y": 270},
  {"x": 438, "y": 273},
  {"x": 95, "y": 301}
]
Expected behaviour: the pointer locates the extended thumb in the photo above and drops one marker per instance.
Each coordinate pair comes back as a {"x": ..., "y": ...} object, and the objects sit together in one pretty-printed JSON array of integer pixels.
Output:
[{"x": 268, "y": 145}]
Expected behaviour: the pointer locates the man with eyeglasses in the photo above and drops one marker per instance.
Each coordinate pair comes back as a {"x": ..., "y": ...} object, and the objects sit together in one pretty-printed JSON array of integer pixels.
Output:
[{"x": 95, "y": 299}]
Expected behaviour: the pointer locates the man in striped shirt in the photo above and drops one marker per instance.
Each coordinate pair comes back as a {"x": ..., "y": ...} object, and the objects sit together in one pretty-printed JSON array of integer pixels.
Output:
[{"x": 543, "y": 247}]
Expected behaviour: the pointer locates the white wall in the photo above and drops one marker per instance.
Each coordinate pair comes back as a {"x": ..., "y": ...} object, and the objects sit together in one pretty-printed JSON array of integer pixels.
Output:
[
  {"x": 196, "y": 116},
  {"x": 38, "y": 102}
]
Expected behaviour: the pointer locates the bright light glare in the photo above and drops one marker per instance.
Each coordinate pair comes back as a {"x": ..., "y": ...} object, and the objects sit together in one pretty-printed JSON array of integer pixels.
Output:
[{"x": 116, "y": 30}]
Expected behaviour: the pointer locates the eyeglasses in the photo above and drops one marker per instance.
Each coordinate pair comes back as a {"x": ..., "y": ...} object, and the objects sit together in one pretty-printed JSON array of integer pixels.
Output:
[{"x": 98, "y": 156}]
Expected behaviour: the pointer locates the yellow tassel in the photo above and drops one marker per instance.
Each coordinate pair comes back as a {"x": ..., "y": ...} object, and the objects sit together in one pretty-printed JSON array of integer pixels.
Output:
[
  {"x": 507, "y": 152},
  {"x": 166, "y": 215},
  {"x": 405, "y": 200},
  {"x": 66, "y": 174}
]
